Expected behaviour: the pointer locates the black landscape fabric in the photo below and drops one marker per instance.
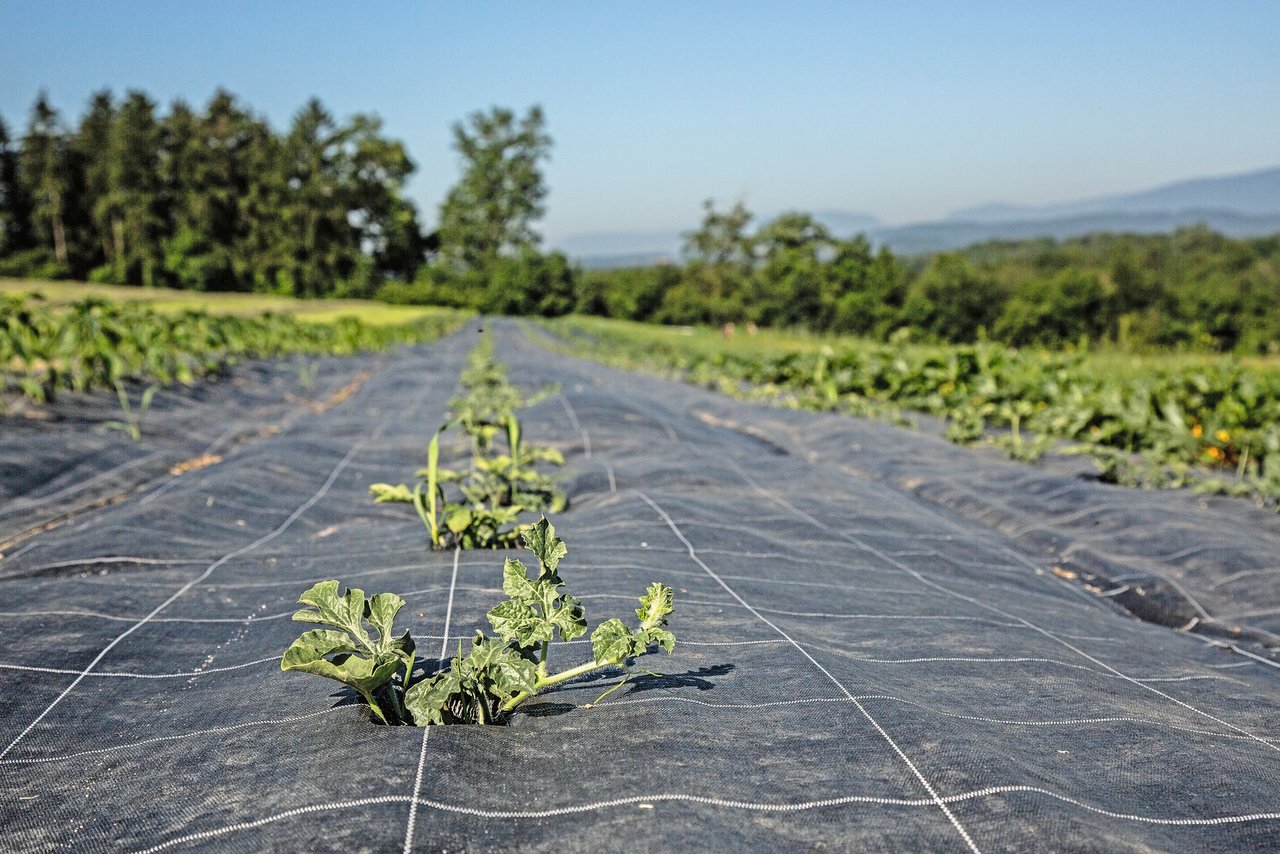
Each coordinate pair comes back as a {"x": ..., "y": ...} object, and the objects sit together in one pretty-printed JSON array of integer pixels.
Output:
[{"x": 884, "y": 641}]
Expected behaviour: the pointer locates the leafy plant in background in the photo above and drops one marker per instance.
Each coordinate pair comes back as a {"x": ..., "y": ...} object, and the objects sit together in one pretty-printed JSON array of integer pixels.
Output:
[
  {"x": 132, "y": 423},
  {"x": 95, "y": 343},
  {"x": 496, "y": 488},
  {"x": 1210, "y": 426},
  {"x": 485, "y": 684}
]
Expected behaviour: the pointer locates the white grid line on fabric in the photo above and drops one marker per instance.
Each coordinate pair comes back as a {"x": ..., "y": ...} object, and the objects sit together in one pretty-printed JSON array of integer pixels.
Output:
[
  {"x": 204, "y": 835},
  {"x": 176, "y": 479},
  {"x": 1045, "y": 632},
  {"x": 426, "y": 730},
  {"x": 703, "y": 800},
  {"x": 312, "y": 579},
  {"x": 280, "y": 529},
  {"x": 672, "y": 698},
  {"x": 448, "y": 611},
  {"x": 1236, "y": 576},
  {"x": 577, "y": 425},
  {"x": 41, "y": 760},
  {"x": 110, "y": 674},
  {"x": 28, "y": 503},
  {"x": 868, "y": 660},
  {"x": 28, "y": 547},
  {"x": 184, "y": 674},
  {"x": 95, "y": 561},
  {"x": 417, "y": 787},
  {"x": 693, "y": 555}
]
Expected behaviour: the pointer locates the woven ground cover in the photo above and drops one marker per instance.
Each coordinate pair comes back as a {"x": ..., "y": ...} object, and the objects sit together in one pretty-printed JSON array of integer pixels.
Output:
[{"x": 884, "y": 641}]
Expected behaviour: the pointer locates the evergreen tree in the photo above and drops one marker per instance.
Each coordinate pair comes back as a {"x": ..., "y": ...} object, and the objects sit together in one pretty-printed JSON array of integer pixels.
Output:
[
  {"x": 132, "y": 206},
  {"x": 316, "y": 249},
  {"x": 378, "y": 169},
  {"x": 15, "y": 224},
  {"x": 92, "y": 148},
  {"x": 47, "y": 176}
]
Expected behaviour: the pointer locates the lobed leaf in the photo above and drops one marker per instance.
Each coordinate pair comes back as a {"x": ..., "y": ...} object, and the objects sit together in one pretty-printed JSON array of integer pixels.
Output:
[
  {"x": 611, "y": 642},
  {"x": 515, "y": 620},
  {"x": 426, "y": 700},
  {"x": 332, "y": 654},
  {"x": 381, "y": 611},
  {"x": 656, "y": 603},
  {"x": 344, "y": 612},
  {"x": 541, "y": 539}
]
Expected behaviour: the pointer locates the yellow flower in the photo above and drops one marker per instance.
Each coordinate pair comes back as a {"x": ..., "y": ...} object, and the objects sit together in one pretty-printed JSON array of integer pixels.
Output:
[
  {"x": 1223, "y": 436},
  {"x": 1214, "y": 453},
  {"x": 1197, "y": 430}
]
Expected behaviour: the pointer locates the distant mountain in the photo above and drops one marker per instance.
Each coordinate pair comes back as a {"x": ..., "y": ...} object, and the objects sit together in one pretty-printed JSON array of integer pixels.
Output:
[
  {"x": 845, "y": 224},
  {"x": 941, "y": 236},
  {"x": 1251, "y": 194},
  {"x": 1245, "y": 205},
  {"x": 616, "y": 244},
  {"x": 607, "y": 249}
]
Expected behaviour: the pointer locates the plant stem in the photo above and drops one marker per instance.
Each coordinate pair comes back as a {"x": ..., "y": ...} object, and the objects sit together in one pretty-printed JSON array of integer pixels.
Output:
[
  {"x": 542, "y": 663},
  {"x": 547, "y": 681},
  {"x": 373, "y": 706}
]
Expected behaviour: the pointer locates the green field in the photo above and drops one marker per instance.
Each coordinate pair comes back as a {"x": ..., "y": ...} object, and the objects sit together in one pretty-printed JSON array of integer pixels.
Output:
[
  {"x": 711, "y": 342},
  {"x": 73, "y": 337},
  {"x": 237, "y": 304},
  {"x": 1160, "y": 420}
]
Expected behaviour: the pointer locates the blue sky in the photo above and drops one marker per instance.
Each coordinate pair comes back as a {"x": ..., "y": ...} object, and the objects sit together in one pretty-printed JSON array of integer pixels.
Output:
[{"x": 907, "y": 110}]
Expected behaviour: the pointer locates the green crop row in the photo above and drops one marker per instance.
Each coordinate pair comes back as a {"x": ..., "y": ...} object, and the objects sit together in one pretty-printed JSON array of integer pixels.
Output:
[
  {"x": 96, "y": 343},
  {"x": 487, "y": 682},
  {"x": 1214, "y": 425}
]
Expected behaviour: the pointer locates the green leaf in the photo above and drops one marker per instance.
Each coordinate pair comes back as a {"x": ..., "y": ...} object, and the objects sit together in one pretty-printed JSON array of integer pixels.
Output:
[
  {"x": 458, "y": 519},
  {"x": 661, "y": 637},
  {"x": 499, "y": 668},
  {"x": 536, "y": 608},
  {"x": 656, "y": 603},
  {"x": 381, "y": 611},
  {"x": 515, "y": 620},
  {"x": 611, "y": 642},
  {"x": 426, "y": 700},
  {"x": 344, "y": 612},
  {"x": 516, "y": 583},
  {"x": 385, "y": 493},
  {"x": 569, "y": 617},
  {"x": 541, "y": 539},
  {"x": 347, "y": 653},
  {"x": 331, "y": 654}
]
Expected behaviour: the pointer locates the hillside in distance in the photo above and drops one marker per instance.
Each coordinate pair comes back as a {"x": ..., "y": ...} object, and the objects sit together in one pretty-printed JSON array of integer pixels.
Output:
[
  {"x": 1251, "y": 194},
  {"x": 1241, "y": 205}
]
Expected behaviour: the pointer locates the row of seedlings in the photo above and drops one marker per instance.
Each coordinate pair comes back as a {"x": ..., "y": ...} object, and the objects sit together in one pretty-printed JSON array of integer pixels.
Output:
[{"x": 480, "y": 509}]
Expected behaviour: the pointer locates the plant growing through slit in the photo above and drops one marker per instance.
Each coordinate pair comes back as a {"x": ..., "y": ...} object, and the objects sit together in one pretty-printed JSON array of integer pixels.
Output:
[
  {"x": 495, "y": 488},
  {"x": 132, "y": 423},
  {"x": 488, "y": 682}
]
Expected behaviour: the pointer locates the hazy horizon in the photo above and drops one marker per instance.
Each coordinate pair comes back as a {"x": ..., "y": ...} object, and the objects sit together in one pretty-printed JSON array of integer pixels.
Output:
[{"x": 907, "y": 112}]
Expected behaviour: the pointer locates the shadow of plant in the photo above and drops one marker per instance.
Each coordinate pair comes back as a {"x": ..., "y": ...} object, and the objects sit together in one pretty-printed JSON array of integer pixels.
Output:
[{"x": 700, "y": 679}]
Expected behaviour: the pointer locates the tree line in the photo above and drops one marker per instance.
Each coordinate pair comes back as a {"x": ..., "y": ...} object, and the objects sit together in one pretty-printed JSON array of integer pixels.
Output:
[
  {"x": 1190, "y": 289},
  {"x": 210, "y": 199},
  {"x": 214, "y": 199}
]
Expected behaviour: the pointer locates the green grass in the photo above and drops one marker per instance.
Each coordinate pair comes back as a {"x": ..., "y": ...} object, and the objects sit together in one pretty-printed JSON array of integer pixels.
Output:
[
  {"x": 708, "y": 342},
  {"x": 237, "y": 304}
]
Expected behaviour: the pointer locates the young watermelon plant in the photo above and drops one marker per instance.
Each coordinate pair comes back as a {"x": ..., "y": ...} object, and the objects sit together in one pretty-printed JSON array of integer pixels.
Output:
[
  {"x": 492, "y": 679},
  {"x": 491, "y": 493}
]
